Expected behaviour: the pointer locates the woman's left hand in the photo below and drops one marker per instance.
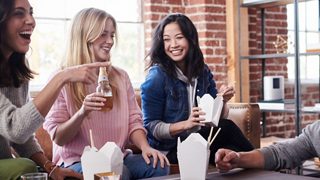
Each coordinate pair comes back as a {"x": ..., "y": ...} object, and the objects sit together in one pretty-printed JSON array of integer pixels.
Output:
[
  {"x": 61, "y": 173},
  {"x": 147, "y": 152},
  {"x": 227, "y": 92}
]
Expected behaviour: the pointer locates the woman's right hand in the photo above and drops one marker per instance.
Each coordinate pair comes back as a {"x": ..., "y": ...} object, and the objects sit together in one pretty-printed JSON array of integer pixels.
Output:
[
  {"x": 194, "y": 119},
  {"x": 92, "y": 102},
  {"x": 86, "y": 73}
]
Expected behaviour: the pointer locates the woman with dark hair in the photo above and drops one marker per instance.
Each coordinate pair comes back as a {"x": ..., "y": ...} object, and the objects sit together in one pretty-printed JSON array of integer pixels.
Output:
[
  {"x": 177, "y": 75},
  {"x": 19, "y": 117}
]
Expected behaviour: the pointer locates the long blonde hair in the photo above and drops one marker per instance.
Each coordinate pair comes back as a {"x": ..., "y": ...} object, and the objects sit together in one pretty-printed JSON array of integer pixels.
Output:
[{"x": 87, "y": 26}]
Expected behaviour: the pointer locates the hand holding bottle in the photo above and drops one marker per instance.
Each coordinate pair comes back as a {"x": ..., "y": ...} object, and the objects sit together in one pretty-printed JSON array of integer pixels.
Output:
[
  {"x": 105, "y": 88},
  {"x": 93, "y": 102}
]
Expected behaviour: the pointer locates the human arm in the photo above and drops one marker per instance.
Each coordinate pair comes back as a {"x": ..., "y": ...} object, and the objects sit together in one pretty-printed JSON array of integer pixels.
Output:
[
  {"x": 293, "y": 152},
  {"x": 283, "y": 155},
  {"x": 32, "y": 150},
  {"x": 18, "y": 123},
  {"x": 227, "y": 93},
  {"x": 85, "y": 73},
  {"x": 193, "y": 121},
  {"x": 55, "y": 172},
  {"x": 162, "y": 104},
  {"x": 226, "y": 159},
  {"x": 59, "y": 122},
  {"x": 210, "y": 84},
  {"x": 138, "y": 138}
]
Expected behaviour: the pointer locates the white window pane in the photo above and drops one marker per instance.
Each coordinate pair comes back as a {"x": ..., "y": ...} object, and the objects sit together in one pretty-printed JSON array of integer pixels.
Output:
[
  {"x": 309, "y": 38},
  {"x": 48, "y": 45},
  {"x": 49, "y": 37},
  {"x": 68, "y": 8},
  {"x": 129, "y": 52}
]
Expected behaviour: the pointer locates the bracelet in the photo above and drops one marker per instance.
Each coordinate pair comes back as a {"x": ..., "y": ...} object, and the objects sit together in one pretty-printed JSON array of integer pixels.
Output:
[
  {"x": 44, "y": 165},
  {"x": 54, "y": 168}
]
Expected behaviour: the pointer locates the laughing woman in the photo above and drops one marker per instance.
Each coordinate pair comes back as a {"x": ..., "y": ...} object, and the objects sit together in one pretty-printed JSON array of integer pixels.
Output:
[{"x": 19, "y": 116}]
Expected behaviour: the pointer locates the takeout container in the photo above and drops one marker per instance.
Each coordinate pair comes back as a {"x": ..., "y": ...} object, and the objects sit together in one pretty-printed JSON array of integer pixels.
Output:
[
  {"x": 193, "y": 156},
  {"x": 108, "y": 159},
  {"x": 212, "y": 107}
]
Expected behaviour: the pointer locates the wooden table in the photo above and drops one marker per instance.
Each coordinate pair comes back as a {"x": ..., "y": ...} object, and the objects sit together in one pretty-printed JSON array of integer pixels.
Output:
[{"x": 247, "y": 174}]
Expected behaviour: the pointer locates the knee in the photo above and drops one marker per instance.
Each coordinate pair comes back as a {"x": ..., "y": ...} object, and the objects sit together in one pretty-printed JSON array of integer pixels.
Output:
[
  {"x": 159, "y": 171},
  {"x": 17, "y": 167},
  {"x": 227, "y": 124},
  {"x": 26, "y": 166}
]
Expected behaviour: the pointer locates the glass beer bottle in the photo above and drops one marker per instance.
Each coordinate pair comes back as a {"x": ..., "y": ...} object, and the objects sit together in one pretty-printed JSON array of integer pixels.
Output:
[{"x": 105, "y": 88}]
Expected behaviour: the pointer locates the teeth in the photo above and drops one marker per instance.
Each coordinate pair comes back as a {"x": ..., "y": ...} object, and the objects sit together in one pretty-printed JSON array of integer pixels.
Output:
[{"x": 26, "y": 32}]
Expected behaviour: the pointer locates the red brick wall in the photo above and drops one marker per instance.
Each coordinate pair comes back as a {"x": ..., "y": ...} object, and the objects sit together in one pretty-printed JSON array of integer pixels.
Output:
[
  {"x": 278, "y": 124},
  {"x": 273, "y": 28},
  {"x": 209, "y": 16}
]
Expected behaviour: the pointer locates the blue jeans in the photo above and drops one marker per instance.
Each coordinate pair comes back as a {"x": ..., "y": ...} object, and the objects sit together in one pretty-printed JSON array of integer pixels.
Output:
[{"x": 134, "y": 167}]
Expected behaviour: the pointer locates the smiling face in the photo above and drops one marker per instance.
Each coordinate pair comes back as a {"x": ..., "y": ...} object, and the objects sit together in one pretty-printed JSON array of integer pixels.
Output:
[
  {"x": 176, "y": 44},
  {"x": 19, "y": 27},
  {"x": 103, "y": 44}
]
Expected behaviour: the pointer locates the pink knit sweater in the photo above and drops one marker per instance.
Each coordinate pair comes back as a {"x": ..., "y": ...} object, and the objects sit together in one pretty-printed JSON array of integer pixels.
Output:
[{"x": 115, "y": 125}]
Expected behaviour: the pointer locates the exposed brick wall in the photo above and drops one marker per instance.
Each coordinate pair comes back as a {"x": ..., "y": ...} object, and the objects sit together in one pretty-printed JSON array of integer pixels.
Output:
[
  {"x": 209, "y": 16},
  {"x": 277, "y": 124},
  {"x": 273, "y": 28}
]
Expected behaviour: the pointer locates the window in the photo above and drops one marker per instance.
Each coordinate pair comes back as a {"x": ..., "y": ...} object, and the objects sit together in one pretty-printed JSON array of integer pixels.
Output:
[
  {"x": 309, "y": 38},
  {"x": 53, "y": 20}
]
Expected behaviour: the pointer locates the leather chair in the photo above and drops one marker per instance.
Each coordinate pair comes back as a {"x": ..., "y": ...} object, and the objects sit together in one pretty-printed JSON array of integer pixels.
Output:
[{"x": 245, "y": 115}]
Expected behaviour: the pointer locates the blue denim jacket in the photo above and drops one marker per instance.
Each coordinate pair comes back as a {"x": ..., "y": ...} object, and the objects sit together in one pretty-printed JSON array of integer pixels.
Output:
[{"x": 166, "y": 99}]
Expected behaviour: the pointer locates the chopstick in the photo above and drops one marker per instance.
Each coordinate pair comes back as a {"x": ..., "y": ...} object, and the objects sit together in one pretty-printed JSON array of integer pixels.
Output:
[
  {"x": 91, "y": 138},
  {"x": 214, "y": 137}
]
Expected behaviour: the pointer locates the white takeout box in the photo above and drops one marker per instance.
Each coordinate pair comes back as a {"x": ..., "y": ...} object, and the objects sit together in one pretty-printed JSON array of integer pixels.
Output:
[
  {"x": 108, "y": 159},
  {"x": 212, "y": 107},
  {"x": 193, "y": 157}
]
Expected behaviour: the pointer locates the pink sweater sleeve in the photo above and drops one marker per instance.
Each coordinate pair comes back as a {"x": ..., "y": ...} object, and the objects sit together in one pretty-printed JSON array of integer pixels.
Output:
[
  {"x": 135, "y": 114},
  {"x": 57, "y": 114}
]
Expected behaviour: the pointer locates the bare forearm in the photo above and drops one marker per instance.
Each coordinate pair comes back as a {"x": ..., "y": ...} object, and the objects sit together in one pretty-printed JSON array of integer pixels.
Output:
[
  {"x": 68, "y": 130},
  {"x": 225, "y": 111},
  {"x": 138, "y": 138},
  {"x": 176, "y": 128},
  {"x": 47, "y": 96},
  {"x": 41, "y": 160},
  {"x": 251, "y": 159}
]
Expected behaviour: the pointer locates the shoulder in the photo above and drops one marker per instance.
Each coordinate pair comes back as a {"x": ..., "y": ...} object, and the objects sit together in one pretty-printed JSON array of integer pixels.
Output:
[
  {"x": 119, "y": 73},
  {"x": 156, "y": 72},
  {"x": 206, "y": 69},
  {"x": 118, "y": 70},
  {"x": 155, "y": 78}
]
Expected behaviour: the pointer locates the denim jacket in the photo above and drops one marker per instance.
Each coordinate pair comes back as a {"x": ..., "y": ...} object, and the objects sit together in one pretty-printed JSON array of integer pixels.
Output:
[{"x": 166, "y": 99}]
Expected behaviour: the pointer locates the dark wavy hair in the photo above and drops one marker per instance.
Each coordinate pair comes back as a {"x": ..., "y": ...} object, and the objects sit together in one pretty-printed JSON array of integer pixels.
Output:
[
  {"x": 194, "y": 60},
  {"x": 13, "y": 71}
]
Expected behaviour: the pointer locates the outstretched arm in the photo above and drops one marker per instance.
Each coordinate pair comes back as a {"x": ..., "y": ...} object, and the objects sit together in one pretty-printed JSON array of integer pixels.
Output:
[
  {"x": 85, "y": 73},
  {"x": 227, "y": 159}
]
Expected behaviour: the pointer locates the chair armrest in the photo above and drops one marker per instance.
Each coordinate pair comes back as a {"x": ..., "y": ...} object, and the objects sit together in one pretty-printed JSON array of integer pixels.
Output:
[{"x": 247, "y": 118}]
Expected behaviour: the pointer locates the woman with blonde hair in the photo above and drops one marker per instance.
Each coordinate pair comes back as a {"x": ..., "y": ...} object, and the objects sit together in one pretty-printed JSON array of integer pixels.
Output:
[{"x": 78, "y": 107}]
